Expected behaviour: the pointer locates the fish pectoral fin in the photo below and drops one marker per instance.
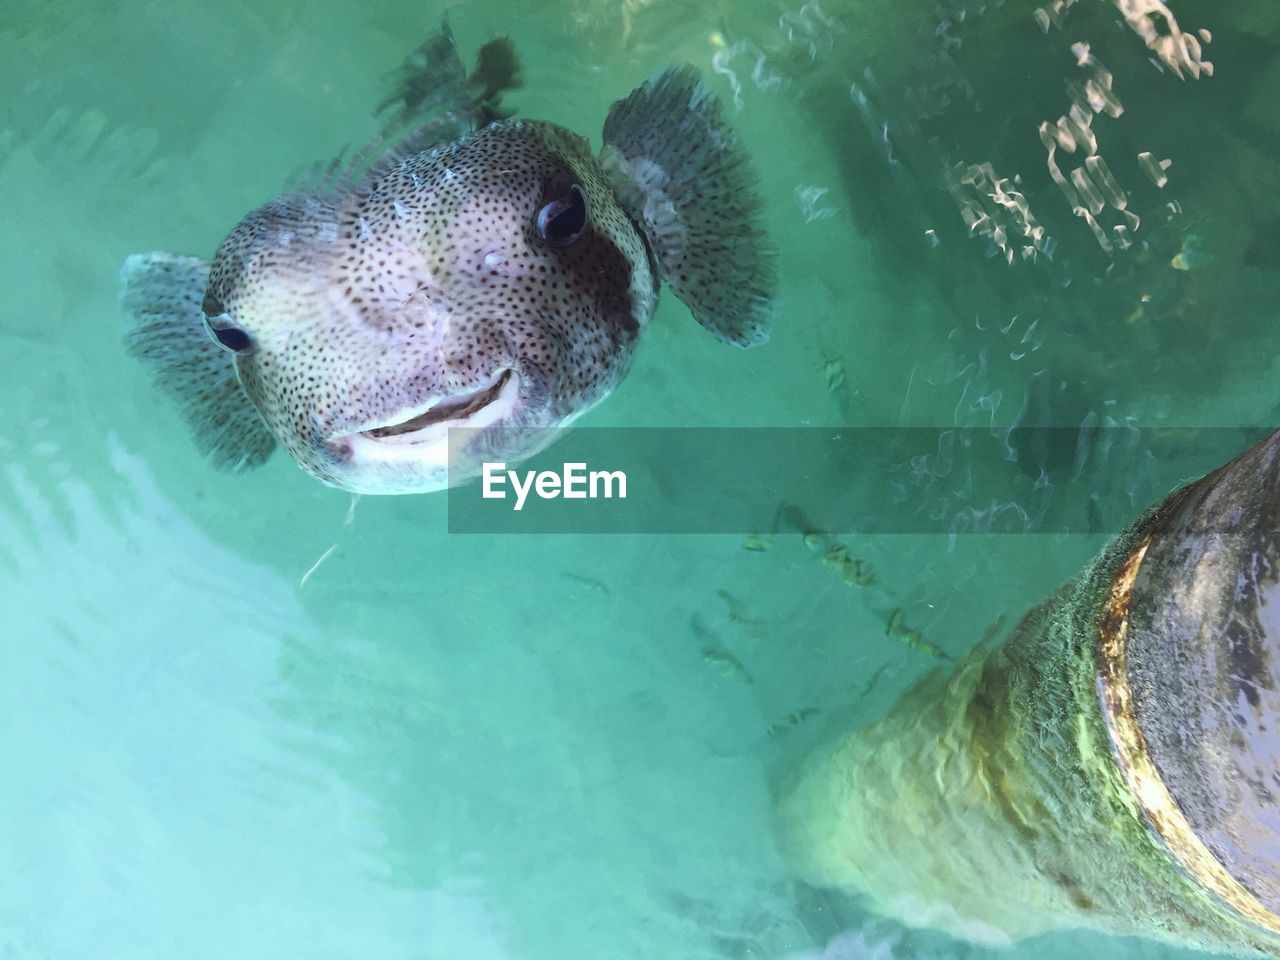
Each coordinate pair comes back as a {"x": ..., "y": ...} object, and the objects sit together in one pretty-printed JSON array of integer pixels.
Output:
[
  {"x": 161, "y": 295},
  {"x": 678, "y": 170}
]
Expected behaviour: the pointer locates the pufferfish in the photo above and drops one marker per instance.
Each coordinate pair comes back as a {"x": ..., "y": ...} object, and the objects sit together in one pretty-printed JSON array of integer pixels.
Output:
[{"x": 469, "y": 270}]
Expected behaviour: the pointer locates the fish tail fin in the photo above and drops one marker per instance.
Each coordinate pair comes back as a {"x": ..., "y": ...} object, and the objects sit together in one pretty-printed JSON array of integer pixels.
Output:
[
  {"x": 161, "y": 296},
  {"x": 680, "y": 173},
  {"x": 497, "y": 71},
  {"x": 436, "y": 101}
]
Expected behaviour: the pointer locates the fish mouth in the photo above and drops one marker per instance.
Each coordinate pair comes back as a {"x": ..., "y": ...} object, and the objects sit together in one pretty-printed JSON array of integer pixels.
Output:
[
  {"x": 442, "y": 441},
  {"x": 487, "y": 403}
]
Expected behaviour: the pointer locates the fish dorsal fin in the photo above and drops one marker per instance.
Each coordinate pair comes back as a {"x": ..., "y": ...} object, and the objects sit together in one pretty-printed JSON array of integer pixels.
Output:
[
  {"x": 435, "y": 102},
  {"x": 161, "y": 295},
  {"x": 680, "y": 173}
]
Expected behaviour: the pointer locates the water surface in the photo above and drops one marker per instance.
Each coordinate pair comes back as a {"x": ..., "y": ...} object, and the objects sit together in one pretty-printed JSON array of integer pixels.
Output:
[{"x": 435, "y": 745}]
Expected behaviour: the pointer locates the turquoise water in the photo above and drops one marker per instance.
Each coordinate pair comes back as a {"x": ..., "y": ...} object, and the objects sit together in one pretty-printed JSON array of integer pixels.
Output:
[{"x": 435, "y": 745}]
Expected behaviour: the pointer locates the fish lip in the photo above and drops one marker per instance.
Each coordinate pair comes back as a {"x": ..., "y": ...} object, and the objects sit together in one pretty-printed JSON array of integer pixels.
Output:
[
  {"x": 435, "y": 447},
  {"x": 480, "y": 406}
]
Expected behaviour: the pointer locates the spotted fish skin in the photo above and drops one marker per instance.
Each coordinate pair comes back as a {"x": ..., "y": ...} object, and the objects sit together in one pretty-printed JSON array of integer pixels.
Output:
[
  {"x": 372, "y": 313},
  {"x": 423, "y": 286}
]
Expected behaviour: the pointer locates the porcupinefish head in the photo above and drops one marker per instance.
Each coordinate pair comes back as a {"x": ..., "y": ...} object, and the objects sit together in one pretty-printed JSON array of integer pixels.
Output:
[
  {"x": 498, "y": 283},
  {"x": 493, "y": 283}
]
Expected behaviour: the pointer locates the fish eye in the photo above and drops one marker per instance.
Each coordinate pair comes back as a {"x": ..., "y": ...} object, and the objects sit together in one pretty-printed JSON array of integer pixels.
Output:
[
  {"x": 226, "y": 334},
  {"x": 563, "y": 221}
]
